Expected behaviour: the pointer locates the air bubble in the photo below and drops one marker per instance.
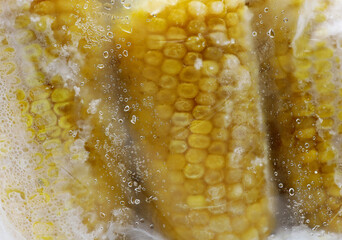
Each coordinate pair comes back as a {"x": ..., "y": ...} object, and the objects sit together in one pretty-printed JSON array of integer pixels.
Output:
[
  {"x": 271, "y": 33},
  {"x": 280, "y": 185},
  {"x": 126, "y": 109},
  {"x": 125, "y": 53},
  {"x": 254, "y": 34},
  {"x": 291, "y": 191},
  {"x": 110, "y": 34},
  {"x": 134, "y": 119},
  {"x": 100, "y": 66},
  {"x": 105, "y": 54},
  {"x": 285, "y": 20},
  {"x": 266, "y": 9}
]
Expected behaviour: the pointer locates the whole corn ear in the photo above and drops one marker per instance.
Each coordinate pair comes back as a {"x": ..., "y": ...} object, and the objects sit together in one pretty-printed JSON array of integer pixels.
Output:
[
  {"x": 67, "y": 181},
  {"x": 195, "y": 117},
  {"x": 305, "y": 79}
]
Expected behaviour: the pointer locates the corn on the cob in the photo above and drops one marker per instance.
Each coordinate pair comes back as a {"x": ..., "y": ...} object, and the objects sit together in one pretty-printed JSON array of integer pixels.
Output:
[
  {"x": 71, "y": 142},
  {"x": 305, "y": 77},
  {"x": 196, "y": 117}
]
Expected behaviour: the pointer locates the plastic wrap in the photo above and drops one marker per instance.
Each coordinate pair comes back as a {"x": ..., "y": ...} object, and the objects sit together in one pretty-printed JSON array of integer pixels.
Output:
[{"x": 170, "y": 119}]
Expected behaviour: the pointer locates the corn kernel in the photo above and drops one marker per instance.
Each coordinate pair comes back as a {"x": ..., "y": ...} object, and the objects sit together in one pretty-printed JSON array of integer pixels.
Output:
[
  {"x": 210, "y": 68},
  {"x": 166, "y": 96},
  {"x": 190, "y": 74},
  {"x": 176, "y": 162},
  {"x": 220, "y": 224},
  {"x": 176, "y": 177},
  {"x": 61, "y": 95},
  {"x": 172, "y": 66},
  {"x": 40, "y": 106},
  {"x": 201, "y": 126},
  {"x": 306, "y": 133},
  {"x": 235, "y": 192},
  {"x": 196, "y": 201},
  {"x": 199, "y": 217},
  {"x": 22, "y": 21},
  {"x": 155, "y": 42},
  {"x": 194, "y": 171},
  {"x": 178, "y": 146},
  {"x": 39, "y": 93},
  {"x": 197, "y": 9},
  {"x": 218, "y": 147},
  {"x": 199, "y": 141},
  {"x": 187, "y": 90},
  {"x": 202, "y": 112},
  {"x": 164, "y": 111},
  {"x": 251, "y": 234},
  {"x": 62, "y": 108},
  {"x": 213, "y": 53},
  {"x": 216, "y": 192},
  {"x": 227, "y": 236},
  {"x": 208, "y": 84},
  {"x": 216, "y": 8},
  {"x": 179, "y": 133},
  {"x": 175, "y": 33},
  {"x": 47, "y": 119},
  {"x": 194, "y": 155},
  {"x": 219, "y": 39},
  {"x": 205, "y": 98},
  {"x": 194, "y": 186},
  {"x": 177, "y": 17},
  {"x": 213, "y": 176},
  {"x": 181, "y": 119},
  {"x": 169, "y": 82},
  {"x": 151, "y": 73},
  {"x": 191, "y": 58},
  {"x": 196, "y": 43},
  {"x": 184, "y": 105},
  {"x": 174, "y": 50},
  {"x": 153, "y": 58},
  {"x": 157, "y": 25},
  {"x": 215, "y": 161}
]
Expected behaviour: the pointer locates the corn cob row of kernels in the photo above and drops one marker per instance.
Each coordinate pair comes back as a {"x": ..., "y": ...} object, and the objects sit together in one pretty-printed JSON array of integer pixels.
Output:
[
  {"x": 193, "y": 94},
  {"x": 305, "y": 76},
  {"x": 71, "y": 140}
]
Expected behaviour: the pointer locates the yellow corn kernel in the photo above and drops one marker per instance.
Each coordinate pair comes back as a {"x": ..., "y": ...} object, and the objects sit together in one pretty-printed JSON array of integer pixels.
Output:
[
  {"x": 196, "y": 201},
  {"x": 153, "y": 58},
  {"x": 201, "y": 126},
  {"x": 22, "y": 21},
  {"x": 176, "y": 162},
  {"x": 40, "y": 106},
  {"x": 195, "y": 43},
  {"x": 175, "y": 33},
  {"x": 157, "y": 25},
  {"x": 215, "y": 161},
  {"x": 177, "y": 17},
  {"x": 174, "y": 50},
  {"x": 61, "y": 95},
  {"x": 208, "y": 84},
  {"x": 190, "y": 74},
  {"x": 168, "y": 82},
  {"x": 63, "y": 108},
  {"x": 194, "y": 155},
  {"x": 187, "y": 90},
  {"x": 194, "y": 171},
  {"x": 178, "y": 146},
  {"x": 210, "y": 68},
  {"x": 235, "y": 191},
  {"x": 47, "y": 119},
  {"x": 199, "y": 141}
]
